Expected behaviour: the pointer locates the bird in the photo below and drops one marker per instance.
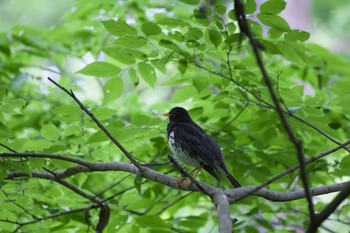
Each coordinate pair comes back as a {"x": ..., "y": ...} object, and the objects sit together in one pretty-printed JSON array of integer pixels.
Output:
[{"x": 191, "y": 145}]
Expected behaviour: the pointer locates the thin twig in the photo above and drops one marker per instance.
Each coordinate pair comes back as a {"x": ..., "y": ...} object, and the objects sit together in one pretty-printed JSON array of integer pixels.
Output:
[
  {"x": 246, "y": 90},
  {"x": 55, "y": 215},
  {"x": 231, "y": 121},
  {"x": 173, "y": 202},
  {"x": 99, "y": 124},
  {"x": 48, "y": 156},
  {"x": 8, "y": 148},
  {"x": 73, "y": 188}
]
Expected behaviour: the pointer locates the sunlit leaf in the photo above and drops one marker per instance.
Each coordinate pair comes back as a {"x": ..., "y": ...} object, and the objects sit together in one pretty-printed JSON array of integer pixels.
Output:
[
  {"x": 100, "y": 69},
  {"x": 148, "y": 73}
]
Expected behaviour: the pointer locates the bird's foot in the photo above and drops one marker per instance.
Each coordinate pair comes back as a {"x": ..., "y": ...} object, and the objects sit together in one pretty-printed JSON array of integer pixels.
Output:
[{"x": 180, "y": 180}]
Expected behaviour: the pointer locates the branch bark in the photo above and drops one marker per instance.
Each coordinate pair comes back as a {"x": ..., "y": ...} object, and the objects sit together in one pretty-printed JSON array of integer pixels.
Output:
[{"x": 232, "y": 194}]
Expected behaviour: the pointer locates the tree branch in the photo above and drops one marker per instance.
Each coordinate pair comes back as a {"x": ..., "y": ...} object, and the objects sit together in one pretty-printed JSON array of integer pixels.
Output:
[
  {"x": 244, "y": 27},
  {"x": 233, "y": 194},
  {"x": 55, "y": 215},
  {"x": 98, "y": 123},
  {"x": 291, "y": 169},
  {"x": 47, "y": 156},
  {"x": 246, "y": 90},
  {"x": 223, "y": 210},
  {"x": 329, "y": 209},
  {"x": 8, "y": 148}
]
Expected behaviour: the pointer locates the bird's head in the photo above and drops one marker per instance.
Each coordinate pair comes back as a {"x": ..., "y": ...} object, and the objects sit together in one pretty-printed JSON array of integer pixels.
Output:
[{"x": 178, "y": 114}]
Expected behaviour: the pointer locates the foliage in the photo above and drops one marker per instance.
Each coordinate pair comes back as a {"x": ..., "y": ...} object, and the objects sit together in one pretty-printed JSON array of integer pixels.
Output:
[{"x": 148, "y": 57}]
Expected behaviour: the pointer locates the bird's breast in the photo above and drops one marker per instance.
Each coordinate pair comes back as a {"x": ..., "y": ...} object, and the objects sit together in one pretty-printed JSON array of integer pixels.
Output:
[{"x": 181, "y": 154}]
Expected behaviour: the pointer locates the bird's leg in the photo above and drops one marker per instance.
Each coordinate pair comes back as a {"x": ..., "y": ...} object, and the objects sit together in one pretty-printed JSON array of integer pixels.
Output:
[{"x": 194, "y": 173}]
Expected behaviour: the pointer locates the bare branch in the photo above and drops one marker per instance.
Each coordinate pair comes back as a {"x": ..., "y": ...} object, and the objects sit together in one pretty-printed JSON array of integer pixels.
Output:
[{"x": 98, "y": 123}]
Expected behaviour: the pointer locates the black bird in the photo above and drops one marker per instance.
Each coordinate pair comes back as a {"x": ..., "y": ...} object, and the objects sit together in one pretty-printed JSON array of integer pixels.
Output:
[{"x": 192, "y": 146}]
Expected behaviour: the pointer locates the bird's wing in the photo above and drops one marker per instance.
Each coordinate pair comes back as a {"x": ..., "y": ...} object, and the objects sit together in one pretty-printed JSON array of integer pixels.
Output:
[{"x": 198, "y": 143}]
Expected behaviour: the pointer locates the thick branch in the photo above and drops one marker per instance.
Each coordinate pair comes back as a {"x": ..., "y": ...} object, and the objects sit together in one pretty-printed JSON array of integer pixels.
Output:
[
  {"x": 223, "y": 210},
  {"x": 172, "y": 182}
]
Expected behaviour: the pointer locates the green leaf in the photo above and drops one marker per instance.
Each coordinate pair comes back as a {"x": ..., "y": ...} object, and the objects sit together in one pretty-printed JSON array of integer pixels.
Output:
[
  {"x": 50, "y": 132},
  {"x": 170, "y": 45},
  {"x": 130, "y": 42},
  {"x": 37, "y": 145},
  {"x": 193, "y": 34},
  {"x": 184, "y": 93},
  {"x": 120, "y": 54},
  {"x": 148, "y": 73},
  {"x": 100, "y": 69},
  {"x": 345, "y": 163},
  {"x": 288, "y": 52},
  {"x": 201, "y": 16},
  {"x": 72, "y": 130},
  {"x": 274, "y": 33},
  {"x": 151, "y": 221},
  {"x": 250, "y": 6},
  {"x": 133, "y": 76},
  {"x": 124, "y": 55},
  {"x": 119, "y": 28},
  {"x": 190, "y": 2},
  {"x": 113, "y": 89},
  {"x": 200, "y": 83},
  {"x": 274, "y": 21},
  {"x": 215, "y": 37},
  {"x": 5, "y": 132},
  {"x": 173, "y": 23},
  {"x": 12, "y": 106},
  {"x": 272, "y": 7},
  {"x": 296, "y": 35},
  {"x": 150, "y": 29},
  {"x": 182, "y": 66}
]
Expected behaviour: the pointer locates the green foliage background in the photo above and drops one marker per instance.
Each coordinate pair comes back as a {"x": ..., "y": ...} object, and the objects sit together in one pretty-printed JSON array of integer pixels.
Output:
[{"x": 130, "y": 61}]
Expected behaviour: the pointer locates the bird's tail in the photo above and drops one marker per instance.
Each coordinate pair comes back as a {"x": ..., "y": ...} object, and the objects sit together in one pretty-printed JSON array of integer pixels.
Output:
[{"x": 230, "y": 177}]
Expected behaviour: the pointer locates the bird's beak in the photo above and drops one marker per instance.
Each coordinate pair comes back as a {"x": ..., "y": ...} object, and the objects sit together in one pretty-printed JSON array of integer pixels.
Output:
[{"x": 166, "y": 114}]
